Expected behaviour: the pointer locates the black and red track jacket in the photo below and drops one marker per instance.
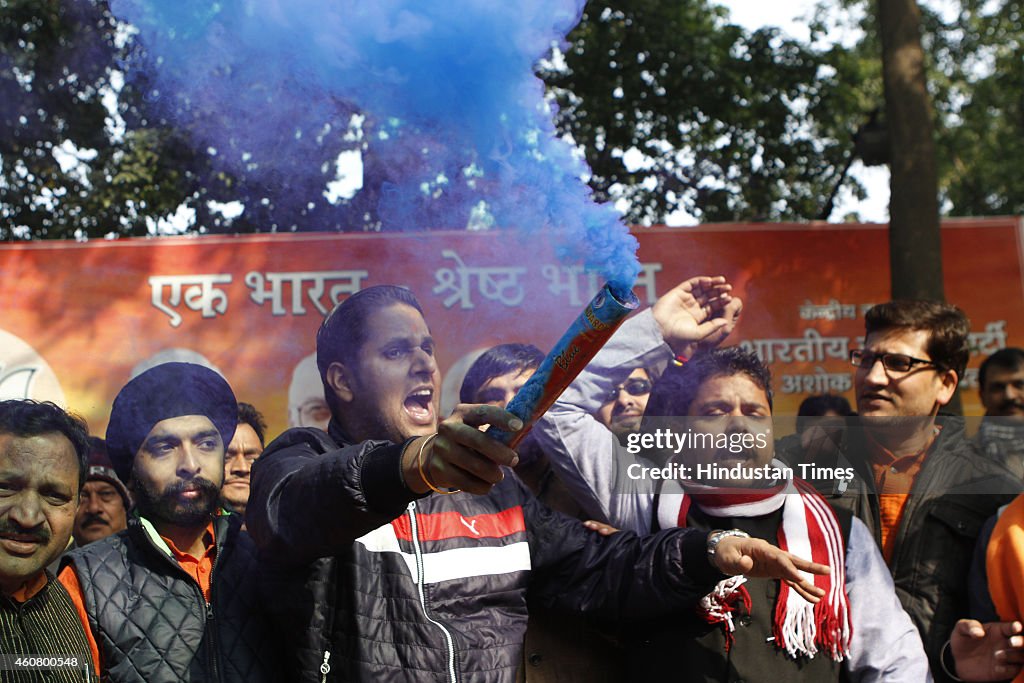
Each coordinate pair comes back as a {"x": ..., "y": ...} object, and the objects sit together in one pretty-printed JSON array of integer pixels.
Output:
[{"x": 372, "y": 582}]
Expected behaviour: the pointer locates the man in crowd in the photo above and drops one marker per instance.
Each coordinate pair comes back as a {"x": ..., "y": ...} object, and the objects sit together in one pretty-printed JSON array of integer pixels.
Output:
[
  {"x": 498, "y": 373},
  {"x": 1001, "y": 386},
  {"x": 732, "y": 387},
  {"x": 584, "y": 450},
  {"x": 245, "y": 447},
  {"x": 1001, "y": 383},
  {"x": 306, "y": 404},
  {"x": 43, "y": 454},
  {"x": 920, "y": 488},
  {"x": 623, "y": 406},
  {"x": 403, "y": 576},
  {"x": 494, "y": 378},
  {"x": 174, "y": 597},
  {"x": 105, "y": 499},
  {"x": 861, "y": 634}
]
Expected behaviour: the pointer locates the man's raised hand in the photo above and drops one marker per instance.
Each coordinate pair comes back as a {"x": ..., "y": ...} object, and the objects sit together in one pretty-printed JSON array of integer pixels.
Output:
[{"x": 700, "y": 311}]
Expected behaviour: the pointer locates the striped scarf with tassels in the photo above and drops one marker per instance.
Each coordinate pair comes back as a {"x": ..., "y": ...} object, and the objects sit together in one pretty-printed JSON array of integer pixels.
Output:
[{"x": 809, "y": 529}]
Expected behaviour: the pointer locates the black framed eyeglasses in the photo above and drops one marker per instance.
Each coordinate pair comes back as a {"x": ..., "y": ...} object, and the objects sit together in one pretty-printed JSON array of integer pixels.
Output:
[
  {"x": 633, "y": 387},
  {"x": 893, "y": 362}
]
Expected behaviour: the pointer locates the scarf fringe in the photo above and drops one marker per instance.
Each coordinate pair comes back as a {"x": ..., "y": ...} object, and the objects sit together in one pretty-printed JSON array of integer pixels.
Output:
[{"x": 799, "y": 628}]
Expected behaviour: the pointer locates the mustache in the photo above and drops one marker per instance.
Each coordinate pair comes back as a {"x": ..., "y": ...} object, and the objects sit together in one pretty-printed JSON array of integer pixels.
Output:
[
  {"x": 200, "y": 484},
  {"x": 1012, "y": 404},
  {"x": 93, "y": 518},
  {"x": 39, "y": 534}
]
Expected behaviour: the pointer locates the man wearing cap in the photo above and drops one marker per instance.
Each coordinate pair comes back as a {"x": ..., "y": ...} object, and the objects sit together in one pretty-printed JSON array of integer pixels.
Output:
[
  {"x": 174, "y": 596},
  {"x": 105, "y": 500}
]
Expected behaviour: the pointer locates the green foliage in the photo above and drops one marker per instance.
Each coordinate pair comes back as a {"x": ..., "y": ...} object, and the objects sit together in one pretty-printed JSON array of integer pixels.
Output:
[
  {"x": 979, "y": 62},
  {"x": 730, "y": 125},
  {"x": 976, "y": 77}
]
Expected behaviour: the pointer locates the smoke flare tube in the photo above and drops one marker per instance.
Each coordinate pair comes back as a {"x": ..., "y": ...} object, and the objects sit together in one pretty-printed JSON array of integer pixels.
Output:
[{"x": 581, "y": 342}]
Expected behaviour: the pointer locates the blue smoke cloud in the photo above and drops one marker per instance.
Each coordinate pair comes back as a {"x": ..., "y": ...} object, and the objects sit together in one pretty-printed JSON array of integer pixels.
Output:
[{"x": 453, "y": 109}]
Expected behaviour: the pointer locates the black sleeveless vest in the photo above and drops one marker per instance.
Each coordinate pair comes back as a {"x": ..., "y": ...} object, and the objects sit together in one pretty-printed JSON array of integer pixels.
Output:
[{"x": 153, "y": 624}]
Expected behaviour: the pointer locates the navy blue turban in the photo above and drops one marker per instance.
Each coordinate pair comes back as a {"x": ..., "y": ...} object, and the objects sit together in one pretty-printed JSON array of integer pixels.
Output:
[{"x": 160, "y": 393}]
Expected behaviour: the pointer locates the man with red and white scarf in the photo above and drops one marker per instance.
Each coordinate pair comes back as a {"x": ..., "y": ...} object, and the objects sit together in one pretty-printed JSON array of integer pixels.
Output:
[{"x": 752, "y": 629}]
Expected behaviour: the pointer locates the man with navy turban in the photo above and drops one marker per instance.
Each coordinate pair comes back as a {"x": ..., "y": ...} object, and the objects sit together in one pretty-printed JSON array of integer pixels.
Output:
[{"x": 174, "y": 596}]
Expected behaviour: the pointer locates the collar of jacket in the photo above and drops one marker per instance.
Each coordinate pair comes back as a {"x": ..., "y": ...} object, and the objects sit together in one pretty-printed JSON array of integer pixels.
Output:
[{"x": 142, "y": 527}]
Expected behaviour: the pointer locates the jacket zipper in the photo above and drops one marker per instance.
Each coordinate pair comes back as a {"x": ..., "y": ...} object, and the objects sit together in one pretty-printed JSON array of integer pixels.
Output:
[
  {"x": 325, "y": 668},
  {"x": 420, "y": 576},
  {"x": 214, "y": 650}
]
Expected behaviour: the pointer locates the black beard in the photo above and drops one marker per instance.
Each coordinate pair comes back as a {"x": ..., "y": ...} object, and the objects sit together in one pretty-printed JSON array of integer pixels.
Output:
[{"x": 166, "y": 505}]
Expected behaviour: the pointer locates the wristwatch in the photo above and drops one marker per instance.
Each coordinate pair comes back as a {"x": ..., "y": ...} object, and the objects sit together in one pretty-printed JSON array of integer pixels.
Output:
[{"x": 716, "y": 536}]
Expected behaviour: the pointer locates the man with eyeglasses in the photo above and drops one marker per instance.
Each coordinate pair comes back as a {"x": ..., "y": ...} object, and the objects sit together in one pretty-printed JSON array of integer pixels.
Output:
[
  {"x": 920, "y": 488},
  {"x": 586, "y": 427}
]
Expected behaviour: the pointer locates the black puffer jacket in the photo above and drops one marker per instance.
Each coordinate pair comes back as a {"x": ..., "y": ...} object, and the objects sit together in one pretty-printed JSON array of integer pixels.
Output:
[
  {"x": 151, "y": 621},
  {"x": 378, "y": 584},
  {"x": 954, "y": 493}
]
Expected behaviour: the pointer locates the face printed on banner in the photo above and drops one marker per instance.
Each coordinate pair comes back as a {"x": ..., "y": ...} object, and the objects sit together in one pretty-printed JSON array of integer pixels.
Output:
[
  {"x": 498, "y": 391},
  {"x": 919, "y": 391},
  {"x": 38, "y": 499},
  {"x": 242, "y": 452},
  {"x": 623, "y": 410},
  {"x": 733, "y": 410},
  {"x": 178, "y": 471},
  {"x": 306, "y": 404},
  {"x": 392, "y": 388},
  {"x": 101, "y": 512},
  {"x": 313, "y": 413}
]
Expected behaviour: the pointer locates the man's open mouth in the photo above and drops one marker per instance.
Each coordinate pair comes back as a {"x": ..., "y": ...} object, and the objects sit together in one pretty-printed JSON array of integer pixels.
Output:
[{"x": 419, "y": 405}]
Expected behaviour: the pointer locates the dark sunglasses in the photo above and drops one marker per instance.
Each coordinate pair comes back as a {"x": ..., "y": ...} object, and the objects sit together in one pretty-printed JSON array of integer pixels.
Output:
[
  {"x": 633, "y": 387},
  {"x": 893, "y": 362}
]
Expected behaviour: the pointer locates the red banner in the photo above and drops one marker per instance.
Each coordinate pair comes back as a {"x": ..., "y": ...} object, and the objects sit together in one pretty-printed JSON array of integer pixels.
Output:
[{"x": 76, "y": 319}]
